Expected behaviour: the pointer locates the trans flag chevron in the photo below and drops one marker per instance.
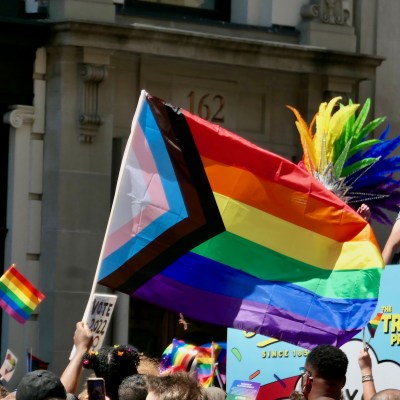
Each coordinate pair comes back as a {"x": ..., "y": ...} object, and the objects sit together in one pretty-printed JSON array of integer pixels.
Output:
[{"x": 207, "y": 224}]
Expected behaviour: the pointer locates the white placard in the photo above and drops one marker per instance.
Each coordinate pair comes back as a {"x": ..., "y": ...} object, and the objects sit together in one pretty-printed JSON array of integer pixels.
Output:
[
  {"x": 8, "y": 367},
  {"x": 99, "y": 317}
]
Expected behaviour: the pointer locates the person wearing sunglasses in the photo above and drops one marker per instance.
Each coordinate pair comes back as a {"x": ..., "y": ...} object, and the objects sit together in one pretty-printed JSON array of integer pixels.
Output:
[{"x": 324, "y": 373}]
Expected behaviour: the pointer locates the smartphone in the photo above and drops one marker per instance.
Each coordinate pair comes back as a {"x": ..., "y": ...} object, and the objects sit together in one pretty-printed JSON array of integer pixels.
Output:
[{"x": 96, "y": 389}]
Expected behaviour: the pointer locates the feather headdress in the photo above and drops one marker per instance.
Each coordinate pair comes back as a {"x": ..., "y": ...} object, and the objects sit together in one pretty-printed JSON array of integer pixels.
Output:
[{"x": 340, "y": 152}]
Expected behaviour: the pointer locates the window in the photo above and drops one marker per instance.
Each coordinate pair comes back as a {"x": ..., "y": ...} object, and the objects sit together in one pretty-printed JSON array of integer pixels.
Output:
[
  {"x": 199, "y": 4},
  {"x": 193, "y": 9}
]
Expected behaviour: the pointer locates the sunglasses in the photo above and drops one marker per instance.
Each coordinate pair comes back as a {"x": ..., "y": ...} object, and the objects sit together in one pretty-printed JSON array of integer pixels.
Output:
[{"x": 306, "y": 374}]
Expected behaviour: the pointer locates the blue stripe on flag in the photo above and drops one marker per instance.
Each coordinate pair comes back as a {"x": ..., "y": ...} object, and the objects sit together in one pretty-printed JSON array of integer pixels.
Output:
[
  {"x": 162, "y": 160},
  {"x": 173, "y": 193}
]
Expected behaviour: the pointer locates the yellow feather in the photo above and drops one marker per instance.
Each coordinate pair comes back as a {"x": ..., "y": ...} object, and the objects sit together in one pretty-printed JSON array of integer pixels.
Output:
[
  {"x": 321, "y": 137},
  {"x": 306, "y": 140},
  {"x": 308, "y": 147},
  {"x": 328, "y": 112},
  {"x": 336, "y": 125}
]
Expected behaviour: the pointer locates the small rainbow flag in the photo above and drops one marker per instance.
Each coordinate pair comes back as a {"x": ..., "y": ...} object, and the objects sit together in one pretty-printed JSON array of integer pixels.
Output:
[
  {"x": 373, "y": 324},
  {"x": 178, "y": 356},
  {"x": 18, "y": 297},
  {"x": 207, "y": 224},
  {"x": 206, "y": 365}
]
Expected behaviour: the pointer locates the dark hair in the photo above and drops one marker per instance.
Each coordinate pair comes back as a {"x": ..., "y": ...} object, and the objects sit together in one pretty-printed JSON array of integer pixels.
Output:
[
  {"x": 3, "y": 391},
  {"x": 387, "y": 394},
  {"x": 113, "y": 363},
  {"x": 133, "y": 388},
  {"x": 328, "y": 361},
  {"x": 176, "y": 386}
]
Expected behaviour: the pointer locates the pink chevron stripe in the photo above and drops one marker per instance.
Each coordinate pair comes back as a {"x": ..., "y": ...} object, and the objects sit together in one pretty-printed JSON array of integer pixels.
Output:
[
  {"x": 9, "y": 310},
  {"x": 142, "y": 168}
]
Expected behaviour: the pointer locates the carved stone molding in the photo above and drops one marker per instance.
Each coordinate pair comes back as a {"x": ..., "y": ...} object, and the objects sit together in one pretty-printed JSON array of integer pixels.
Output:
[
  {"x": 90, "y": 120},
  {"x": 326, "y": 11},
  {"x": 19, "y": 115}
]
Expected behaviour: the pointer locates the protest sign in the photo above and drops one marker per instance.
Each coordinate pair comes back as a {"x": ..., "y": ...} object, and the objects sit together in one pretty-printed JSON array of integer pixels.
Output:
[
  {"x": 99, "y": 316},
  {"x": 8, "y": 368}
]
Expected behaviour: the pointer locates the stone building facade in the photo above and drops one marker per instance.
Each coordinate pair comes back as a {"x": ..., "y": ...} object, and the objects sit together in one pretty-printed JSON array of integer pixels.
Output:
[{"x": 237, "y": 63}]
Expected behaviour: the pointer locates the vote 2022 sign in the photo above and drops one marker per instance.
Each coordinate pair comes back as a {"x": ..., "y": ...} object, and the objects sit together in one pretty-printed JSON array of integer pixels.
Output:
[
  {"x": 277, "y": 365},
  {"x": 99, "y": 317}
]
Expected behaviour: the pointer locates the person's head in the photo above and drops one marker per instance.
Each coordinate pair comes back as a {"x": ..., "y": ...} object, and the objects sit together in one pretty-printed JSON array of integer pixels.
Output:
[
  {"x": 325, "y": 372},
  {"x": 214, "y": 393},
  {"x": 133, "y": 388},
  {"x": 149, "y": 365},
  {"x": 40, "y": 385},
  {"x": 177, "y": 386},
  {"x": 3, "y": 392},
  {"x": 114, "y": 364},
  {"x": 387, "y": 394}
]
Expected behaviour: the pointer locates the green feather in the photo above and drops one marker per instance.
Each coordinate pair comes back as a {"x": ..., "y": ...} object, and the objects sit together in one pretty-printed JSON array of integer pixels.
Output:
[
  {"x": 368, "y": 129},
  {"x": 342, "y": 159},
  {"x": 362, "y": 146},
  {"x": 362, "y": 116},
  {"x": 357, "y": 166}
]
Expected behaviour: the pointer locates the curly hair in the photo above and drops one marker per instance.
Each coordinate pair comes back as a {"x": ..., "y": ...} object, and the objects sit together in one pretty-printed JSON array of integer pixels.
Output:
[
  {"x": 328, "y": 361},
  {"x": 113, "y": 363},
  {"x": 133, "y": 388},
  {"x": 176, "y": 386},
  {"x": 3, "y": 392}
]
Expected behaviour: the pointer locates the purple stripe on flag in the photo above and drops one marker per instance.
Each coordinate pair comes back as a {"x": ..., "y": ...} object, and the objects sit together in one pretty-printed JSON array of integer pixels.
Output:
[
  {"x": 11, "y": 311},
  {"x": 240, "y": 313}
]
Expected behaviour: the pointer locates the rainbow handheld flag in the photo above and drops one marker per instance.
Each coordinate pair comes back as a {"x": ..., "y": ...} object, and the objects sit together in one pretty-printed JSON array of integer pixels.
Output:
[
  {"x": 178, "y": 356},
  {"x": 207, "y": 224},
  {"x": 206, "y": 365},
  {"x": 18, "y": 297},
  {"x": 373, "y": 324},
  {"x": 204, "y": 359}
]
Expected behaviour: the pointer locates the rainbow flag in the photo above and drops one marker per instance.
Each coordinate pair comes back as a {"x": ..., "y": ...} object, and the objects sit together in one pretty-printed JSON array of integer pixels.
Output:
[
  {"x": 178, "y": 356},
  {"x": 207, "y": 224},
  {"x": 18, "y": 297},
  {"x": 373, "y": 324},
  {"x": 206, "y": 365}
]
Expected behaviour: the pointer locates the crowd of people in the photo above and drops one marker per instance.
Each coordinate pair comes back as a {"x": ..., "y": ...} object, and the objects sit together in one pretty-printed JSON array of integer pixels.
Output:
[
  {"x": 119, "y": 371},
  {"x": 125, "y": 374}
]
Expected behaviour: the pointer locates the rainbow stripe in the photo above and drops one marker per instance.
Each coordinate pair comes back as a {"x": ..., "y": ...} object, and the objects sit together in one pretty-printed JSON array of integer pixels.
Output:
[
  {"x": 251, "y": 241},
  {"x": 18, "y": 297}
]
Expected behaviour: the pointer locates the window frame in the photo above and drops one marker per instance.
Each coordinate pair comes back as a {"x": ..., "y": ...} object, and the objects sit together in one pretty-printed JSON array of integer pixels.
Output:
[{"x": 221, "y": 11}]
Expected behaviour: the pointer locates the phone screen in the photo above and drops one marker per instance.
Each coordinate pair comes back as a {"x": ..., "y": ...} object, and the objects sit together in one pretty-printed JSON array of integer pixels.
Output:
[{"x": 96, "y": 389}]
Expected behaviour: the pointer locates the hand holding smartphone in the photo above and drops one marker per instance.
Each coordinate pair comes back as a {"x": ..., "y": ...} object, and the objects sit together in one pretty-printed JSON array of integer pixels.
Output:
[{"x": 96, "y": 389}]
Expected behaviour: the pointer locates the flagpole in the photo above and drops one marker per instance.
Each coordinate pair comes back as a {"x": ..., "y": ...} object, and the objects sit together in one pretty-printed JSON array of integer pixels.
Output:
[
  {"x": 212, "y": 361},
  {"x": 139, "y": 107},
  {"x": 221, "y": 385},
  {"x": 363, "y": 339}
]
